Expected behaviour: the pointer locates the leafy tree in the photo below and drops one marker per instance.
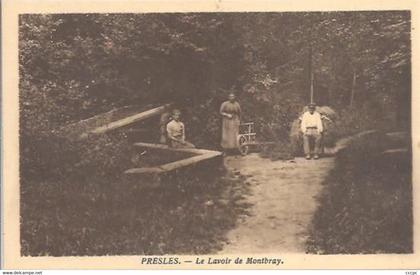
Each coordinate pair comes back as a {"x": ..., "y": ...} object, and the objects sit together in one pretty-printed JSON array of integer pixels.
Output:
[{"x": 73, "y": 66}]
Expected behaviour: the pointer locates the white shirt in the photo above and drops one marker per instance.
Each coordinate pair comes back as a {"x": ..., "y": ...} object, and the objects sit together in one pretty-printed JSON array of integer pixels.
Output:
[
  {"x": 176, "y": 129},
  {"x": 311, "y": 120}
]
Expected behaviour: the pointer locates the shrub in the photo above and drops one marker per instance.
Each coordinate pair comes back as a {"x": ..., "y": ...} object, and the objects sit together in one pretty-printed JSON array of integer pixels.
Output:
[
  {"x": 75, "y": 202},
  {"x": 366, "y": 206},
  {"x": 52, "y": 157}
]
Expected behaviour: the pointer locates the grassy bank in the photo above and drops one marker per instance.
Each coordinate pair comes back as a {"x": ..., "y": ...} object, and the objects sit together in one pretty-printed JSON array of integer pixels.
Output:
[
  {"x": 366, "y": 206},
  {"x": 74, "y": 201}
]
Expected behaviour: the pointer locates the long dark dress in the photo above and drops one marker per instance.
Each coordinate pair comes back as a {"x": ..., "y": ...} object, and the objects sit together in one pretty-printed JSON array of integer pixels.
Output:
[{"x": 230, "y": 126}]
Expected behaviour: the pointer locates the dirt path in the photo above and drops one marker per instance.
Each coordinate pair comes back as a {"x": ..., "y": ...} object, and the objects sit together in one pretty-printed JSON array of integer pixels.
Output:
[{"x": 283, "y": 195}]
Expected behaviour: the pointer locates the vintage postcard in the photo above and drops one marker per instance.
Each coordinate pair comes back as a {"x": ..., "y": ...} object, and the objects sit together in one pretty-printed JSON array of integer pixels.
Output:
[{"x": 210, "y": 134}]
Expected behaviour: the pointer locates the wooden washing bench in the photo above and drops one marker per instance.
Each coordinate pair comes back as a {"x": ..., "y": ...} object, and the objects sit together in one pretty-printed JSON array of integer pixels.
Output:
[{"x": 201, "y": 159}]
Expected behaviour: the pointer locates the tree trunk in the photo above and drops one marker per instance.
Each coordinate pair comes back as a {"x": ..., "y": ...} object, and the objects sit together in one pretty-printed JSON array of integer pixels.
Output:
[
  {"x": 333, "y": 83},
  {"x": 312, "y": 87},
  {"x": 353, "y": 89},
  {"x": 310, "y": 73}
]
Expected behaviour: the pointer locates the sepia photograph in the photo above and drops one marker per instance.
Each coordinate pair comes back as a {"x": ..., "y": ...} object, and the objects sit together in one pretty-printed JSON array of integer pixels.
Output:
[
  {"x": 209, "y": 135},
  {"x": 215, "y": 133}
]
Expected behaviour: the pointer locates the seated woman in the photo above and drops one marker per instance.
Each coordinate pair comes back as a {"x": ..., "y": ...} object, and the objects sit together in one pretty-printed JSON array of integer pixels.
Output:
[{"x": 176, "y": 132}]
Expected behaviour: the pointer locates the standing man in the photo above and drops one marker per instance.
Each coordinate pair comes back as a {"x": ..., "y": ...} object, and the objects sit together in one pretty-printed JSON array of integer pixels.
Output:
[
  {"x": 311, "y": 127},
  {"x": 176, "y": 132}
]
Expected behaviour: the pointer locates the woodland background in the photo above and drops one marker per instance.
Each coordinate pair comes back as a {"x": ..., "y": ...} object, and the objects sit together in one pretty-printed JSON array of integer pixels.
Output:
[{"x": 75, "y": 66}]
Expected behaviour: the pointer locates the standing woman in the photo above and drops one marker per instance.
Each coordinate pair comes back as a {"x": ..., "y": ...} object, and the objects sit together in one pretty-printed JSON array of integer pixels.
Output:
[{"x": 231, "y": 113}]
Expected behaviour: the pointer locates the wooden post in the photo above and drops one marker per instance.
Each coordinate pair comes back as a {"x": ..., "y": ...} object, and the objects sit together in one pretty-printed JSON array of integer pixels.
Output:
[
  {"x": 312, "y": 87},
  {"x": 353, "y": 88},
  {"x": 310, "y": 74}
]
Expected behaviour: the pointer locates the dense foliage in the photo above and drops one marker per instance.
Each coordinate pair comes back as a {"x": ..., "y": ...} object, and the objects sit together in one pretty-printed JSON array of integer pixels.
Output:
[
  {"x": 81, "y": 216},
  {"x": 366, "y": 206},
  {"x": 76, "y": 65}
]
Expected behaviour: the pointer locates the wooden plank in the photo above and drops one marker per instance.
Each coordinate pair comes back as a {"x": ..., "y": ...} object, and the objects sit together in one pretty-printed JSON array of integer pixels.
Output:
[
  {"x": 166, "y": 147},
  {"x": 144, "y": 170},
  {"x": 186, "y": 162},
  {"x": 153, "y": 146},
  {"x": 396, "y": 151},
  {"x": 131, "y": 119},
  {"x": 173, "y": 165},
  {"x": 202, "y": 155}
]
